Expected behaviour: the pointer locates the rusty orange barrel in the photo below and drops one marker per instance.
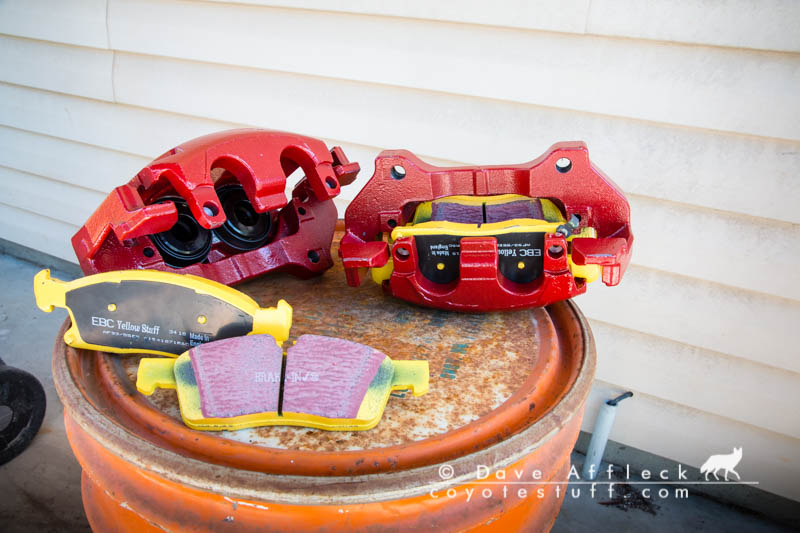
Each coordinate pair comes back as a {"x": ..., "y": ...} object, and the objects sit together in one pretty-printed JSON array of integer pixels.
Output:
[{"x": 507, "y": 392}]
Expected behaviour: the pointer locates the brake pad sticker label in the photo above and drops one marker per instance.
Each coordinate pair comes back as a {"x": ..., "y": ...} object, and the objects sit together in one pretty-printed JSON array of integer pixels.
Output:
[
  {"x": 152, "y": 316},
  {"x": 520, "y": 256}
]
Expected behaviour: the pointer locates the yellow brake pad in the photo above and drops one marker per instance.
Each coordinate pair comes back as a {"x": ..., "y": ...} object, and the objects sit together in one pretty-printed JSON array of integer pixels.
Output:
[
  {"x": 518, "y": 223},
  {"x": 148, "y": 311},
  {"x": 487, "y": 209},
  {"x": 321, "y": 382}
]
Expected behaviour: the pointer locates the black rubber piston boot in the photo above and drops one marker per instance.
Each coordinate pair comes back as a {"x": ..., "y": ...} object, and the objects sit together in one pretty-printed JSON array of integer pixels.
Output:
[
  {"x": 22, "y": 407},
  {"x": 244, "y": 228},
  {"x": 185, "y": 243}
]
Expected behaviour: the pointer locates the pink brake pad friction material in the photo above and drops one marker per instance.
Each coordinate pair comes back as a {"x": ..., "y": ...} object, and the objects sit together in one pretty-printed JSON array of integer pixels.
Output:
[
  {"x": 511, "y": 210},
  {"x": 328, "y": 377},
  {"x": 238, "y": 376},
  {"x": 460, "y": 213}
]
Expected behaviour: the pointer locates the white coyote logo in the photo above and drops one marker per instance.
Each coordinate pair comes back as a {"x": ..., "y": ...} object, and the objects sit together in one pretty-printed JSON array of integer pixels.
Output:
[{"x": 725, "y": 462}]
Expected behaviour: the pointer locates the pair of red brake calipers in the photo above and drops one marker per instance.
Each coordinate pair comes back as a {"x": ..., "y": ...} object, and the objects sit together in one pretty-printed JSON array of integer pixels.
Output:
[{"x": 465, "y": 238}]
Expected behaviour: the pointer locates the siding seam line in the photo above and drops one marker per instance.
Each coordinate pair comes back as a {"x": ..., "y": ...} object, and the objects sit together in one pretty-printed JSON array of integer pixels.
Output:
[
  {"x": 25, "y": 210},
  {"x": 716, "y": 353},
  {"x": 113, "y": 57},
  {"x": 501, "y": 26},
  {"x": 56, "y": 180},
  {"x": 453, "y": 92},
  {"x": 588, "y": 15},
  {"x": 73, "y": 141}
]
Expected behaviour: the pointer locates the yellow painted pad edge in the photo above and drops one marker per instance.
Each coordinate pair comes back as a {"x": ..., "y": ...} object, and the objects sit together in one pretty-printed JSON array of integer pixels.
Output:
[
  {"x": 588, "y": 272},
  {"x": 424, "y": 211},
  {"x": 155, "y": 374},
  {"x": 464, "y": 199},
  {"x": 275, "y": 321},
  {"x": 516, "y": 225},
  {"x": 405, "y": 375},
  {"x": 411, "y": 375},
  {"x": 550, "y": 211},
  {"x": 51, "y": 292},
  {"x": 381, "y": 274}
]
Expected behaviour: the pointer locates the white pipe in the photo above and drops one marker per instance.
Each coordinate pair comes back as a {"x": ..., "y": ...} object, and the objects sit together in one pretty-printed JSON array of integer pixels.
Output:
[{"x": 602, "y": 428}]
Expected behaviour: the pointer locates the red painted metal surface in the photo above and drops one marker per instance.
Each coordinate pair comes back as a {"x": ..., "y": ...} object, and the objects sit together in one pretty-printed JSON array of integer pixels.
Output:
[
  {"x": 563, "y": 174},
  {"x": 119, "y": 234}
]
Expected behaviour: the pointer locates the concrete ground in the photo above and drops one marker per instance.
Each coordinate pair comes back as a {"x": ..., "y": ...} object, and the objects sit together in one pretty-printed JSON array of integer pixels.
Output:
[
  {"x": 651, "y": 507},
  {"x": 41, "y": 488}
]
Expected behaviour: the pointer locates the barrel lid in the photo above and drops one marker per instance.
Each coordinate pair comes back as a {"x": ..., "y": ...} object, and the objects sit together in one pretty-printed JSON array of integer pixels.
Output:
[
  {"x": 491, "y": 376},
  {"x": 476, "y": 361}
]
